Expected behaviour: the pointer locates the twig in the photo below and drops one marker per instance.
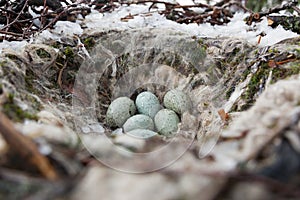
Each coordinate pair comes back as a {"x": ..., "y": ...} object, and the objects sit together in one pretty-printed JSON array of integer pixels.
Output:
[
  {"x": 257, "y": 16},
  {"x": 60, "y": 74},
  {"x": 22, "y": 21},
  {"x": 67, "y": 10},
  {"x": 16, "y": 19},
  {"x": 296, "y": 9},
  {"x": 53, "y": 21},
  {"x": 237, "y": 3},
  {"x": 26, "y": 148},
  {"x": 173, "y": 5},
  {"x": 11, "y": 33}
]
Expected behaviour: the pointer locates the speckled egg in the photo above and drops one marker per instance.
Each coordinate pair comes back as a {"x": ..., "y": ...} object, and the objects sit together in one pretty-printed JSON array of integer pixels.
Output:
[
  {"x": 177, "y": 101},
  {"x": 139, "y": 121},
  {"x": 119, "y": 111},
  {"x": 141, "y": 133},
  {"x": 166, "y": 122},
  {"x": 147, "y": 103}
]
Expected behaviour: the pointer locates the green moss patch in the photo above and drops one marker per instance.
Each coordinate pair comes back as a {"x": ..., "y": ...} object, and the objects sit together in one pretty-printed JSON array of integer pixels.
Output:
[
  {"x": 89, "y": 43},
  {"x": 14, "y": 112},
  {"x": 42, "y": 53},
  {"x": 69, "y": 53},
  {"x": 258, "y": 80},
  {"x": 282, "y": 73}
]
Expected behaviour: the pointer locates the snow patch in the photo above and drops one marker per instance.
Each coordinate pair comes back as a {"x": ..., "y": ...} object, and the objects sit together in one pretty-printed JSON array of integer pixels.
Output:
[
  {"x": 139, "y": 16},
  {"x": 67, "y": 28},
  {"x": 15, "y": 45}
]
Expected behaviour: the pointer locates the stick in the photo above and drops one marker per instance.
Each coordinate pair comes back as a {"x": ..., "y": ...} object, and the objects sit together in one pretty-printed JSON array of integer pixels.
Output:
[{"x": 26, "y": 148}]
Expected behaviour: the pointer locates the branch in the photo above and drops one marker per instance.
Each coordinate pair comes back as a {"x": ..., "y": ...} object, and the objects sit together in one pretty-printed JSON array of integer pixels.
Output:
[
  {"x": 26, "y": 148},
  {"x": 257, "y": 16}
]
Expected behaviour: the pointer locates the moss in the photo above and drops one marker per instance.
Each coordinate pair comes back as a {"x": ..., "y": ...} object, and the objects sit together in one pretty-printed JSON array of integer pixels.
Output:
[
  {"x": 69, "y": 53},
  {"x": 55, "y": 45},
  {"x": 3, "y": 62},
  {"x": 89, "y": 42},
  {"x": 253, "y": 88},
  {"x": 200, "y": 41},
  {"x": 29, "y": 81},
  {"x": 14, "y": 112},
  {"x": 202, "y": 44},
  {"x": 10, "y": 97},
  {"x": 273, "y": 50},
  {"x": 297, "y": 52},
  {"x": 282, "y": 73},
  {"x": 42, "y": 53},
  {"x": 258, "y": 79}
]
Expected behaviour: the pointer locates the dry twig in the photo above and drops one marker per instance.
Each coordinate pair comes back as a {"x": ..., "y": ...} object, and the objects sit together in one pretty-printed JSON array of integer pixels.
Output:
[
  {"x": 254, "y": 17},
  {"x": 26, "y": 148}
]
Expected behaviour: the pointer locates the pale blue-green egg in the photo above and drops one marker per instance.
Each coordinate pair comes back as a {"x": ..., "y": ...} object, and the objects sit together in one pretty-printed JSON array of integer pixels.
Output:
[
  {"x": 119, "y": 111},
  {"x": 148, "y": 104},
  {"x": 177, "y": 101},
  {"x": 141, "y": 133},
  {"x": 139, "y": 121},
  {"x": 166, "y": 122}
]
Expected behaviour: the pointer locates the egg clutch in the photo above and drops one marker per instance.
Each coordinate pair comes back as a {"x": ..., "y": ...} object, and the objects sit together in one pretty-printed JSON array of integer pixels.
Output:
[{"x": 146, "y": 116}]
